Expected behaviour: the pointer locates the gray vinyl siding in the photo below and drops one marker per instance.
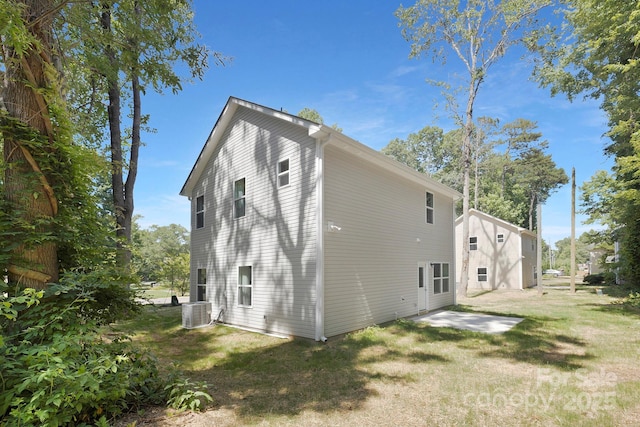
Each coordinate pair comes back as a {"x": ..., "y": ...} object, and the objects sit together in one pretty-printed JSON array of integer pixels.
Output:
[
  {"x": 277, "y": 235},
  {"x": 371, "y": 263}
]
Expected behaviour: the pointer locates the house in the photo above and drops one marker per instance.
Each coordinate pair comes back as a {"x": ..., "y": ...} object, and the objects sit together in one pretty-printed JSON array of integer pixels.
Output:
[
  {"x": 298, "y": 229},
  {"x": 501, "y": 255}
]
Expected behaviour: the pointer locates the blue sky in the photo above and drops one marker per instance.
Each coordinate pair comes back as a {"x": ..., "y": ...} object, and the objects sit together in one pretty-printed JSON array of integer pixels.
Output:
[{"x": 348, "y": 61}]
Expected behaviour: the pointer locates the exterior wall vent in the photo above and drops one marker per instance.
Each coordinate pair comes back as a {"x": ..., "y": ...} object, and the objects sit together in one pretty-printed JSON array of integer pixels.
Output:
[{"x": 196, "y": 314}]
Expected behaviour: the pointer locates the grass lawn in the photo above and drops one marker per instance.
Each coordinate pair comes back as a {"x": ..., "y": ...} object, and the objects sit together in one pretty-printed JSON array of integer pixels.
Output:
[{"x": 572, "y": 361}]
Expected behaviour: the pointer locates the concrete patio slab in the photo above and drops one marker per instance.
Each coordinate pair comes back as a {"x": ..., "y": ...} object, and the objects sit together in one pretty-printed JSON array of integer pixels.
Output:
[{"x": 469, "y": 321}]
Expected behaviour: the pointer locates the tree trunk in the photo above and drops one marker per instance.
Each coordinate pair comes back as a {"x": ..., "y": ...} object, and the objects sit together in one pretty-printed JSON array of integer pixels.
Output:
[
  {"x": 466, "y": 162},
  {"x": 26, "y": 188}
]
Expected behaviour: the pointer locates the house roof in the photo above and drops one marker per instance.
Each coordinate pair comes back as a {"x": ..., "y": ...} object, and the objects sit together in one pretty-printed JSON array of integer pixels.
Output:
[
  {"x": 495, "y": 220},
  {"x": 315, "y": 130}
]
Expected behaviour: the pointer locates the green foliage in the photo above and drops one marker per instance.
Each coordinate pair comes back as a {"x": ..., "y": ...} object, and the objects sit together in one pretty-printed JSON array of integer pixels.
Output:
[
  {"x": 156, "y": 246},
  {"x": 632, "y": 300},
  {"x": 187, "y": 395},
  {"x": 597, "y": 55},
  {"x": 59, "y": 370}
]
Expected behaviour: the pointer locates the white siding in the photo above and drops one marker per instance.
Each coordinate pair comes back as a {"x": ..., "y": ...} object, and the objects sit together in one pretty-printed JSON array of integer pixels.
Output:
[
  {"x": 277, "y": 235},
  {"x": 508, "y": 263},
  {"x": 371, "y": 263}
]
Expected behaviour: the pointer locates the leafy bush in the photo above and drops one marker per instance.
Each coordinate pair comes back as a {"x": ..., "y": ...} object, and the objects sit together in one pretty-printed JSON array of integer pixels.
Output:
[
  {"x": 631, "y": 301},
  {"x": 56, "y": 367},
  {"x": 184, "y": 394}
]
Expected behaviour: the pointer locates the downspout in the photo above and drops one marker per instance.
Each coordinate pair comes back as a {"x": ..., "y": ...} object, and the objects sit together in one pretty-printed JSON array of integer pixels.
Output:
[{"x": 322, "y": 138}]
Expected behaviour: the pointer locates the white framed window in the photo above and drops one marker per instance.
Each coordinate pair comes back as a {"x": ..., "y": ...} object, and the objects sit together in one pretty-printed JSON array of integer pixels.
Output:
[
  {"x": 482, "y": 274},
  {"x": 239, "y": 198},
  {"x": 283, "y": 173},
  {"x": 429, "y": 208},
  {"x": 245, "y": 286},
  {"x": 441, "y": 277},
  {"x": 500, "y": 238},
  {"x": 473, "y": 243},
  {"x": 199, "y": 211},
  {"x": 201, "y": 285}
]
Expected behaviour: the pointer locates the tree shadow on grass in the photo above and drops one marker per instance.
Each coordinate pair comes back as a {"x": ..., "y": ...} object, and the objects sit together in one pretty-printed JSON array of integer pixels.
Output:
[
  {"x": 529, "y": 341},
  {"x": 296, "y": 375}
]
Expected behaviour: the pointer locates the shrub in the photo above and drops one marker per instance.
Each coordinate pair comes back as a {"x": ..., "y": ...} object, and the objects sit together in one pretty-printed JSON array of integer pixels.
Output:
[{"x": 56, "y": 367}]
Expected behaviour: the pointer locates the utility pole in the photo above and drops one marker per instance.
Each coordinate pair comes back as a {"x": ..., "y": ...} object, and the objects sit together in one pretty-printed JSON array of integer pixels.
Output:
[{"x": 573, "y": 230}]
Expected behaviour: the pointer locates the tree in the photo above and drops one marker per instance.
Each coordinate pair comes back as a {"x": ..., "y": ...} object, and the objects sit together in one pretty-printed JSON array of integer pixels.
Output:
[
  {"x": 598, "y": 202},
  {"x": 314, "y": 116},
  {"x": 537, "y": 173},
  {"x": 30, "y": 132},
  {"x": 128, "y": 46},
  {"x": 597, "y": 56},
  {"x": 478, "y": 33},
  {"x": 422, "y": 151},
  {"x": 175, "y": 270},
  {"x": 519, "y": 138},
  {"x": 155, "y": 246}
]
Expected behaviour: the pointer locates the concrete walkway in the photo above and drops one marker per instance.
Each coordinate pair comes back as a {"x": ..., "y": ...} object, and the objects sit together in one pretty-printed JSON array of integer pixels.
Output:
[{"x": 470, "y": 321}]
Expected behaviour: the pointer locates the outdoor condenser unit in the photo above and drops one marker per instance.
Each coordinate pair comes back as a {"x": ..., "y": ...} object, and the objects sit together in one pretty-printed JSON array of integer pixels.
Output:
[{"x": 196, "y": 314}]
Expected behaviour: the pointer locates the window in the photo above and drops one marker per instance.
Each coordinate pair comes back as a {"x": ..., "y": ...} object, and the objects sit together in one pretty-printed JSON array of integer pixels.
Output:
[
  {"x": 500, "y": 238},
  {"x": 429, "y": 208},
  {"x": 473, "y": 243},
  {"x": 283, "y": 173},
  {"x": 201, "y": 292},
  {"x": 482, "y": 274},
  {"x": 245, "y": 286},
  {"x": 199, "y": 211},
  {"x": 239, "y": 193},
  {"x": 421, "y": 277},
  {"x": 440, "y": 278}
]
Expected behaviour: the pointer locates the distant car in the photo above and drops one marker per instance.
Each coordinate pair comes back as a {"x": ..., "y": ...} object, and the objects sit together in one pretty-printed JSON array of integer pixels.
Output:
[{"x": 551, "y": 272}]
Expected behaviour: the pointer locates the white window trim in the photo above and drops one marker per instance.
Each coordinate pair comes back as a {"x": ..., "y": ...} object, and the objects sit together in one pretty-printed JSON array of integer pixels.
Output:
[
  {"x": 442, "y": 278},
  {"x": 485, "y": 274},
  {"x": 471, "y": 248},
  {"x": 199, "y": 212},
  {"x": 284, "y": 173},
  {"x": 201, "y": 284},
  {"x": 429, "y": 208},
  {"x": 250, "y": 286},
  {"x": 235, "y": 199}
]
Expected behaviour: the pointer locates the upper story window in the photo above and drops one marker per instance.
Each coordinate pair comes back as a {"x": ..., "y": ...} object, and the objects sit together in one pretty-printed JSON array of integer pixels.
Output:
[
  {"x": 239, "y": 199},
  {"x": 473, "y": 243},
  {"x": 283, "y": 173},
  {"x": 500, "y": 238},
  {"x": 199, "y": 211},
  {"x": 429, "y": 208}
]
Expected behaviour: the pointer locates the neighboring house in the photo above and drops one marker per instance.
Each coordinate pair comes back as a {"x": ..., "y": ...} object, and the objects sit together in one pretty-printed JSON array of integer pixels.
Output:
[
  {"x": 298, "y": 229},
  {"x": 501, "y": 255}
]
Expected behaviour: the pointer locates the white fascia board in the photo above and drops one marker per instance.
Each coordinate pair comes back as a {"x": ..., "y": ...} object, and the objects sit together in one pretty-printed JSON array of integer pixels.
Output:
[{"x": 209, "y": 146}]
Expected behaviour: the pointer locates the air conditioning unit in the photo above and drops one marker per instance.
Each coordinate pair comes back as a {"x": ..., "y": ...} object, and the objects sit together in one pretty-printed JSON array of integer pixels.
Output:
[{"x": 196, "y": 314}]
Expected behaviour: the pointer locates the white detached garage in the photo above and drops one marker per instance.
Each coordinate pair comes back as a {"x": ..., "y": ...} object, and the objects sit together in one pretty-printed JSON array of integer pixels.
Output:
[{"x": 301, "y": 230}]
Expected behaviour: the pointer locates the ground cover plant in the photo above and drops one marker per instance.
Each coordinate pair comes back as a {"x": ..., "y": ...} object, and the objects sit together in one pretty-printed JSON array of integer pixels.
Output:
[{"x": 571, "y": 361}]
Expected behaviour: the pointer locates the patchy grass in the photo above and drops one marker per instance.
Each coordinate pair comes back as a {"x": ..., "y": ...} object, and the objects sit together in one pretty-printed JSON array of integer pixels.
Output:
[{"x": 572, "y": 361}]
